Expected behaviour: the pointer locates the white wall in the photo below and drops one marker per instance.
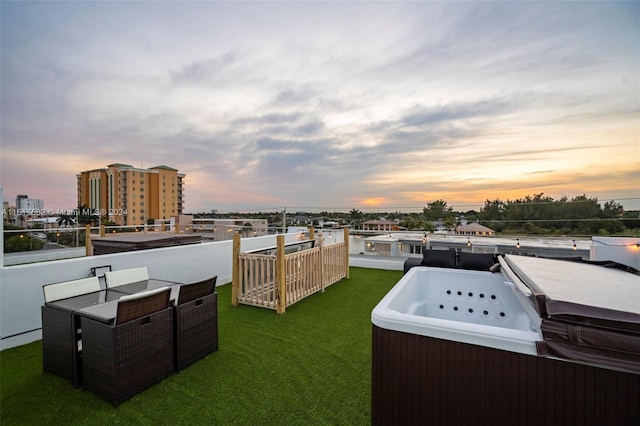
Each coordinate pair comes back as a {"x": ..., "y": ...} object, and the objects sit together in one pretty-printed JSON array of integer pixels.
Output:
[
  {"x": 21, "y": 285},
  {"x": 623, "y": 250}
]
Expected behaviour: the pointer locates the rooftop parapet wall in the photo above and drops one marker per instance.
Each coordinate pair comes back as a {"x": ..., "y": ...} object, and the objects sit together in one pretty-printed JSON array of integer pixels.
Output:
[
  {"x": 21, "y": 285},
  {"x": 622, "y": 250}
]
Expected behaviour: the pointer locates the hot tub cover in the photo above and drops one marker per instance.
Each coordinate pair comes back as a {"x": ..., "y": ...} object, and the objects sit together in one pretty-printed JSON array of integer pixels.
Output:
[
  {"x": 590, "y": 344},
  {"x": 590, "y": 313},
  {"x": 132, "y": 242}
]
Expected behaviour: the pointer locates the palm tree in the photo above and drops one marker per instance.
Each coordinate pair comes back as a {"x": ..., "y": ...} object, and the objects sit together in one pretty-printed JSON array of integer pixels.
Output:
[
  {"x": 356, "y": 218},
  {"x": 85, "y": 216},
  {"x": 66, "y": 221}
]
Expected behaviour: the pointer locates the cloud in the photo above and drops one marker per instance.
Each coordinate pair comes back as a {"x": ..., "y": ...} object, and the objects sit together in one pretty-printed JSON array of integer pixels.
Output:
[
  {"x": 206, "y": 72},
  {"x": 264, "y": 104},
  {"x": 269, "y": 119}
]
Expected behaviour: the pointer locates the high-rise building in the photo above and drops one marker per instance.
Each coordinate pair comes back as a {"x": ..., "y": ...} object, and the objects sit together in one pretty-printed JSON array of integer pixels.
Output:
[
  {"x": 127, "y": 195},
  {"x": 29, "y": 206}
]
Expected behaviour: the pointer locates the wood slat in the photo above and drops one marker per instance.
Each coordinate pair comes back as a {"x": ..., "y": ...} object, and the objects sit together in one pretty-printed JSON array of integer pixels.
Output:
[
  {"x": 306, "y": 272},
  {"x": 422, "y": 380}
]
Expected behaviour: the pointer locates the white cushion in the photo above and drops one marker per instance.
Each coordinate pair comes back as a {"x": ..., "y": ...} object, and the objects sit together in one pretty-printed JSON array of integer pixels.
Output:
[
  {"x": 126, "y": 276},
  {"x": 68, "y": 289},
  {"x": 142, "y": 294}
]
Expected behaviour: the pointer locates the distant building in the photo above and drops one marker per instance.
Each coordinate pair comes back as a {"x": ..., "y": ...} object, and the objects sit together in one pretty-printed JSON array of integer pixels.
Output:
[
  {"x": 25, "y": 209},
  {"x": 49, "y": 222},
  {"x": 328, "y": 224},
  {"x": 127, "y": 195},
  {"x": 8, "y": 212},
  {"x": 301, "y": 220},
  {"x": 381, "y": 225},
  {"x": 223, "y": 229},
  {"x": 442, "y": 228},
  {"x": 19, "y": 200},
  {"x": 29, "y": 206},
  {"x": 474, "y": 229}
]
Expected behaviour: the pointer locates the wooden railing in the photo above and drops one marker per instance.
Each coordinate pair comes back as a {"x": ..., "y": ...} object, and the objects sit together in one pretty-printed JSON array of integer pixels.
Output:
[
  {"x": 280, "y": 280},
  {"x": 303, "y": 274},
  {"x": 257, "y": 280},
  {"x": 335, "y": 263}
]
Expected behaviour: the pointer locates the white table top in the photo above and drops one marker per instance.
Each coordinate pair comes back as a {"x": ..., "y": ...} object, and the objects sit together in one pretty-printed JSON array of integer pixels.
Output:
[{"x": 107, "y": 311}]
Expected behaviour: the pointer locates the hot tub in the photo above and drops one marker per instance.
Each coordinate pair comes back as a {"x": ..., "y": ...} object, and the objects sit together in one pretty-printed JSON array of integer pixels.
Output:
[
  {"x": 457, "y": 347},
  {"x": 474, "y": 307}
]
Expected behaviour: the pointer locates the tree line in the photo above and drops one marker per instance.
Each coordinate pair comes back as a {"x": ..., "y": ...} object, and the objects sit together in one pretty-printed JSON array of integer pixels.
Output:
[
  {"x": 536, "y": 214},
  {"x": 532, "y": 214}
]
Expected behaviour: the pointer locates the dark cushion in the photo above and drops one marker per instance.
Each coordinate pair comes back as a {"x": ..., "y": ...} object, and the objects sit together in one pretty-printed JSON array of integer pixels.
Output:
[
  {"x": 439, "y": 258},
  {"x": 134, "y": 306},
  {"x": 476, "y": 261},
  {"x": 411, "y": 262},
  {"x": 189, "y": 292}
]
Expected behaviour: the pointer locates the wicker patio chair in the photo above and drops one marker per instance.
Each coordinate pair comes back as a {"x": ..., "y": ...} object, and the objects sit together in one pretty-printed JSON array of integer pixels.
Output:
[
  {"x": 125, "y": 357},
  {"x": 195, "y": 322},
  {"x": 61, "y": 333}
]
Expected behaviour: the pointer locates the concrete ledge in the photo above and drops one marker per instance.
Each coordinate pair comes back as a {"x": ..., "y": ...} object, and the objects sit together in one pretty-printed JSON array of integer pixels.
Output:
[{"x": 377, "y": 262}]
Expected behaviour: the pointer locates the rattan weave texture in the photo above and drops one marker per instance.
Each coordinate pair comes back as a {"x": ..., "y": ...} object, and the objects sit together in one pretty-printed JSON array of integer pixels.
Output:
[
  {"x": 122, "y": 360},
  {"x": 196, "y": 330}
]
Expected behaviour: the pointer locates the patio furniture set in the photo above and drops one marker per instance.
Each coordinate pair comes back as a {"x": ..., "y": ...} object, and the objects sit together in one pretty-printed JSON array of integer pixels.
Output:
[{"x": 119, "y": 338}]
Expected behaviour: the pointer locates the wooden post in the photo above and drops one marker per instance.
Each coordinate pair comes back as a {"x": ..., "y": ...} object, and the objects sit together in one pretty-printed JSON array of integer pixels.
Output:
[
  {"x": 162, "y": 227},
  {"x": 312, "y": 236},
  {"x": 235, "y": 272},
  {"x": 88, "y": 247},
  {"x": 321, "y": 263},
  {"x": 346, "y": 251},
  {"x": 102, "y": 229},
  {"x": 281, "y": 277}
]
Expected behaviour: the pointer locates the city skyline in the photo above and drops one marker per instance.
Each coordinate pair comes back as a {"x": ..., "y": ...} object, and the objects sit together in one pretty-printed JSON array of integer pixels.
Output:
[{"x": 366, "y": 105}]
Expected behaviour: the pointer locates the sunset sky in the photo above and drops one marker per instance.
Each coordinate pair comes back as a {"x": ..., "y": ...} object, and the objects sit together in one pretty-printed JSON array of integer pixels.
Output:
[{"x": 325, "y": 105}]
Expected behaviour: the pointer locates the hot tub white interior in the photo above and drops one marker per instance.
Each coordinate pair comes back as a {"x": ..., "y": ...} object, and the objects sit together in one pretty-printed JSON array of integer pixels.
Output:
[{"x": 473, "y": 307}]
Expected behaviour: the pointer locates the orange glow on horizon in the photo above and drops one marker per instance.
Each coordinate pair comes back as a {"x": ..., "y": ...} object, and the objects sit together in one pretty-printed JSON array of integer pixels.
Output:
[{"x": 373, "y": 202}]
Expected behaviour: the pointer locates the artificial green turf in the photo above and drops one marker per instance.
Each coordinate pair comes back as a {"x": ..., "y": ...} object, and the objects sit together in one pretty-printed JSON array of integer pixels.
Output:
[{"x": 311, "y": 365}]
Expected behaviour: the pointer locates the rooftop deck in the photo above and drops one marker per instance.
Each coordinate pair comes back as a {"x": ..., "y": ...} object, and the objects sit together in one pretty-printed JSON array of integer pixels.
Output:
[{"x": 309, "y": 366}]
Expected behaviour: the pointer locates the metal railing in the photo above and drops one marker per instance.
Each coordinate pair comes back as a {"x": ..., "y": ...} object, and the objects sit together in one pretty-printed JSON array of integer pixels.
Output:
[{"x": 45, "y": 244}]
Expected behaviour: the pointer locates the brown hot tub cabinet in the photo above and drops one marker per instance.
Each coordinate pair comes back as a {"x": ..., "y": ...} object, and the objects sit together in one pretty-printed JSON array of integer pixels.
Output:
[{"x": 455, "y": 347}]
